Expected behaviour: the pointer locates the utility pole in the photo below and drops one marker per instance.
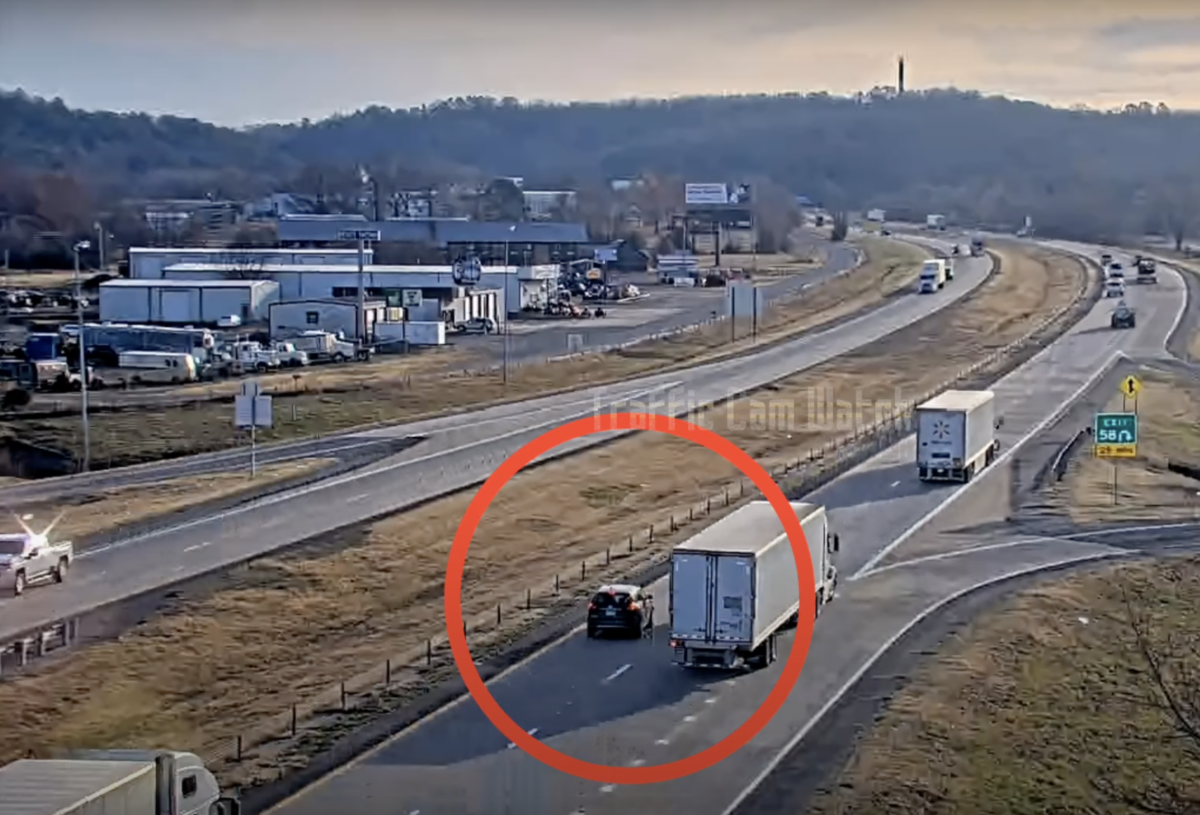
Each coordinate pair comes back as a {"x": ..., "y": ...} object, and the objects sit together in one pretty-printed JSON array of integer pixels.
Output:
[
  {"x": 362, "y": 294},
  {"x": 83, "y": 369},
  {"x": 504, "y": 339}
]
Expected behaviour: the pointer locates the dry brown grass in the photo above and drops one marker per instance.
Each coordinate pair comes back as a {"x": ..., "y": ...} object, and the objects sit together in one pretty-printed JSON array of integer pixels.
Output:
[
  {"x": 367, "y": 592},
  {"x": 322, "y": 403},
  {"x": 1019, "y": 714},
  {"x": 50, "y": 279},
  {"x": 1168, "y": 429},
  {"x": 91, "y": 513}
]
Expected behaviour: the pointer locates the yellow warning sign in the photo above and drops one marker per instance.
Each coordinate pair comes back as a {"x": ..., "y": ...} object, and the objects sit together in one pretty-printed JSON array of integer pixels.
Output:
[{"x": 1131, "y": 386}]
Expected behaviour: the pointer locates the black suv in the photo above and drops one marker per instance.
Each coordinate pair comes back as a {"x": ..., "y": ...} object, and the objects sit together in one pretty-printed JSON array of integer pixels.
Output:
[{"x": 626, "y": 609}]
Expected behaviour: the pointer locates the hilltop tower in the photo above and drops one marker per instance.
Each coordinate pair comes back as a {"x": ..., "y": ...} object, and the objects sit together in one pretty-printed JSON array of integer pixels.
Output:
[{"x": 900, "y": 77}]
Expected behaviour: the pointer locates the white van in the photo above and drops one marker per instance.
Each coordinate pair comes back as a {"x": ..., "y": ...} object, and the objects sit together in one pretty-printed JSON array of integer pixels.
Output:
[
  {"x": 154, "y": 368},
  {"x": 933, "y": 276}
]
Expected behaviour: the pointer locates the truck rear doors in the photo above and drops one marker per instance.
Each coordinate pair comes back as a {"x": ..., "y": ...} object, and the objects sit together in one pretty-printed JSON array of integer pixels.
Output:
[{"x": 712, "y": 597}]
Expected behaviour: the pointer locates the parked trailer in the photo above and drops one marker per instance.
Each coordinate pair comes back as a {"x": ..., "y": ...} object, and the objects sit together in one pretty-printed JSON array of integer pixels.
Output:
[
  {"x": 733, "y": 587},
  {"x": 956, "y": 435},
  {"x": 128, "y": 782}
]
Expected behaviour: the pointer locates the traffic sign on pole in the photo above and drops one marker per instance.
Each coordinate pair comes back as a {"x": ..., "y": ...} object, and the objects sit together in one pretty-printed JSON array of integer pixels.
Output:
[
  {"x": 1131, "y": 386},
  {"x": 358, "y": 235},
  {"x": 1116, "y": 435}
]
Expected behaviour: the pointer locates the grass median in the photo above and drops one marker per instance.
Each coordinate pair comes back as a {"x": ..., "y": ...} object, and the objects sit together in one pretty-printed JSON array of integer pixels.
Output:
[
  {"x": 90, "y": 513},
  {"x": 1097, "y": 490},
  {"x": 291, "y": 626},
  {"x": 327, "y": 401},
  {"x": 1048, "y": 704}
]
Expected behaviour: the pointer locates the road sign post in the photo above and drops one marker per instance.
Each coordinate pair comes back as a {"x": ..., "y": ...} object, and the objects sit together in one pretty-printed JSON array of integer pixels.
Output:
[
  {"x": 252, "y": 410},
  {"x": 1131, "y": 386},
  {"x": 1116, "y": 434}
]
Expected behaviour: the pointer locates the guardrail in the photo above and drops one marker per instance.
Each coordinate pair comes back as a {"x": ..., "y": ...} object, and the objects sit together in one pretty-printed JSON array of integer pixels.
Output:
[
  {"x": 18, "y": 653},
  {"x": 1062, "y": 460},
  {"x": 798, "y": 477}
]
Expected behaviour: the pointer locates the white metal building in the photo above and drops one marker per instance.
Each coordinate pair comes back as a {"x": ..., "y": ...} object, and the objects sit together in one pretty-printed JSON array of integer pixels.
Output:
[
  {"x": 148, "y": 263},
  {"x": 427, "y": 291},
  {"x": 316, "y": 314},
  {"x": 185, "y": 302}
]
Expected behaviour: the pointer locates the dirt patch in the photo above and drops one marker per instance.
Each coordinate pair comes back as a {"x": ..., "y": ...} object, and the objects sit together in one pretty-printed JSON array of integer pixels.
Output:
[
  {"x": 1031, "y": 707},
  {"x": 1168, "y": 411},
  {"x": 319, "y": 403},
  {"x": 289, "y": 627},
  {"x": 53, "y": 279},
  {"x": 84, "y": 514}
]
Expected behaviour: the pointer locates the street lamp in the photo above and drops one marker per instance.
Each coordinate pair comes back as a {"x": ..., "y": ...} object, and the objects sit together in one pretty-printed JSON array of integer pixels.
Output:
[
  {"x": 83, "y": 370},
  {"x": 507, "y": 238}
]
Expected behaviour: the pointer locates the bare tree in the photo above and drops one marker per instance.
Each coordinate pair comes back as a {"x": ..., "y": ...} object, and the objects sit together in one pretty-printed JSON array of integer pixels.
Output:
[
  {"x": 1168, "y": 687},
  {"x": 243, "y": 265}
]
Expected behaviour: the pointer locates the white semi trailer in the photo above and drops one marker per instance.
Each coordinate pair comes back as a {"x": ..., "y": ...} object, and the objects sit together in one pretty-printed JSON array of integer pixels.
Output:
[
  {"x": 123, "y": 782},
  {"x": 734, "y": 586},
  {"x": 956, "y": 435}
]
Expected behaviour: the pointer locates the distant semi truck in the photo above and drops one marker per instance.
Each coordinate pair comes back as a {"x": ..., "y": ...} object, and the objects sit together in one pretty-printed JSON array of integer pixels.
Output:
[
  {"x": 977, "y": 248},
  {"x": 932, "y": 277},
  {"x": 123, "y": 782},
  {"x": 956, "y": 435},
  {"x": 733, "y": 586},
  {"x": 935, "y": 222}
]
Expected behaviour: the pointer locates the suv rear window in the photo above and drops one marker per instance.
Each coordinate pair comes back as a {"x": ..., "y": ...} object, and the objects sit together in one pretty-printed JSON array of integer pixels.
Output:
[{"x": 606, "y": 600}]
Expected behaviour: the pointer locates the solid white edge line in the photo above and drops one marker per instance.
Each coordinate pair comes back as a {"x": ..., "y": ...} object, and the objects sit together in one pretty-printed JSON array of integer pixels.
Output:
[
  {"x": 988, "y": 547},
  {"x": 1058, "y": 413},
  {"x": 875, "y": 657}
]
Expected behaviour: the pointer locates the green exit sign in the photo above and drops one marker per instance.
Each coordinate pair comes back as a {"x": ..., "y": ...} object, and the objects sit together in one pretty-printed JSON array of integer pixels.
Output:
[{"x": 1116, "y": 428}]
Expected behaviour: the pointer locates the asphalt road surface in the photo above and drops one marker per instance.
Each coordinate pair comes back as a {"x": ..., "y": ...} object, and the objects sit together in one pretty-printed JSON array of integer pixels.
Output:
[
  {"x": 457, "y": 451},
  {"x": 672, "y": 309},
  {"x": 623, "y": 703}
]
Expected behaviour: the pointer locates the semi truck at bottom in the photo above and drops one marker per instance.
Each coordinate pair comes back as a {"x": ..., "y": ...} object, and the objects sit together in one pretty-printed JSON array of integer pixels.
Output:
[
  {"x": 123, "y": 782},
  {"x": 956, "y": 435},
  {"x": 734, "y": 587}
]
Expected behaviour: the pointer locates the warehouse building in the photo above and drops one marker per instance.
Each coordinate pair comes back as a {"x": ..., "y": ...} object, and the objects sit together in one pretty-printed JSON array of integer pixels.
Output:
[
  {"x": 434, "y": 286},
  {"x": 449, "y": 239},
  {"x": 185, "y": 302},
  {"x": 148, "y": 263}
]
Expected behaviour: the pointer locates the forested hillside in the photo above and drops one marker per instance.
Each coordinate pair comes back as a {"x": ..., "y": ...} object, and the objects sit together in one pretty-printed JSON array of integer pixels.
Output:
[{"x": 979, "y": 159}]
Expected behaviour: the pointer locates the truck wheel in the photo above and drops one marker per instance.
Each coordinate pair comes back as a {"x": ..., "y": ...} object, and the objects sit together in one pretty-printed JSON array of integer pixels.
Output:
[
  {"x": 339, "y": 358},
  {"x": 60, "y": 572},
  {"x": 19, "y": 584}
]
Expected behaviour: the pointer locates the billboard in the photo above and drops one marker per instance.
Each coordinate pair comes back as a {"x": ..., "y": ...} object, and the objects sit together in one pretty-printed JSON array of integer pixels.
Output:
[
  {"x": 703, "y": 220},
  {"x": 705, "y": 194}
]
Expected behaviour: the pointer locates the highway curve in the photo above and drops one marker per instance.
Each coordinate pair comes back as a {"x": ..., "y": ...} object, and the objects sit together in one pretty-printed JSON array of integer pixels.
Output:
[
  {"x": 624, "y": 703},
  {"x": 457, "y": 451}
]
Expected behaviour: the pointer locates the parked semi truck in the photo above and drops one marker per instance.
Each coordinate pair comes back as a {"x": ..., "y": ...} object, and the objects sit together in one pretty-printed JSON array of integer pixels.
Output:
[
  {"x": 733, "y": 587},
  {"x": 122, "y": 782},
  {"x": 956, "y": 435}
]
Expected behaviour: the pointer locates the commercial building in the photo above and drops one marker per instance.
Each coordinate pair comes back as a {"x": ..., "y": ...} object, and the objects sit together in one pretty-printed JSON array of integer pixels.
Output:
[
  {"x": 185, "y": 302},
  {"x": 148, "y": 263},
  {"x": 335, "y": 316},
  {"x": 427, "y": 291},
  {"x": 527, "y": 243}
]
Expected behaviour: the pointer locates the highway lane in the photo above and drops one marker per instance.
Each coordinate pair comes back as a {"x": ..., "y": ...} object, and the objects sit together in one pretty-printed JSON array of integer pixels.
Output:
[
  {"x": 453, "y": 762},
  {"x": 623, "y": 703},
  {"x": 465, "y": 452},
  {"x": 546, "y": 342},
  {"x": 697, "y": 307}
]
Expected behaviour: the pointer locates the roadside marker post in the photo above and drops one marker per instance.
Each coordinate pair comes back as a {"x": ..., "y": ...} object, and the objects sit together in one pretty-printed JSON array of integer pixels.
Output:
[{"x": 252, "y": 410}]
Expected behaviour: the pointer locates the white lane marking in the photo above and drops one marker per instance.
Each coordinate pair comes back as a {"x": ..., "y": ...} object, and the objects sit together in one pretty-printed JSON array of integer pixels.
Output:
[
  {"x": 960, "y": 552},
  {"x": 531, "y": 731},
  {"x": 415, "y": 812},
  {"x": 608, "y": 788},
  {"x": 637, "y": 762},
  {"x": 1058, "y": 413},
  {"x": 895, "y": 484},
  {"x": 883, "y": 649},
  {"x": 616, "y": 673},
  {"x": 1124, "y": 530},
  {"x": 196, "y": 546},
  {"x": 689, "y": 718},
  {"x": 710, "y": 701},
  {"x": 662, "y": 742},
  {"x": 316, "y": 486},
  {"x": 357, "y": 498}
]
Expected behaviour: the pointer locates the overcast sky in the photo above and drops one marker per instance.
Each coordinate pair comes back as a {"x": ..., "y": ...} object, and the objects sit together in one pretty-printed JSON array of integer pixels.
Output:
[{"x": 246, "y": 61}]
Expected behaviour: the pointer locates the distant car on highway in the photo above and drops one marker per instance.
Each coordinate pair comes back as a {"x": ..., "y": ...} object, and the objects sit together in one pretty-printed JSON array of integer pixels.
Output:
[
  {"x": 1114, "y": 288},
  {"x": 620, "y": 608},
  {"x": 1123, "y": 316},
  {"x": 1106, "y": 259},
  {"x": 1115, "y": 271}
]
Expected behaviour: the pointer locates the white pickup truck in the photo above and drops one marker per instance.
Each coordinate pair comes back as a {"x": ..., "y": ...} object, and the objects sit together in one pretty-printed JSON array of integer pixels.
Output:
[{"x": 27, "y": 558}]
